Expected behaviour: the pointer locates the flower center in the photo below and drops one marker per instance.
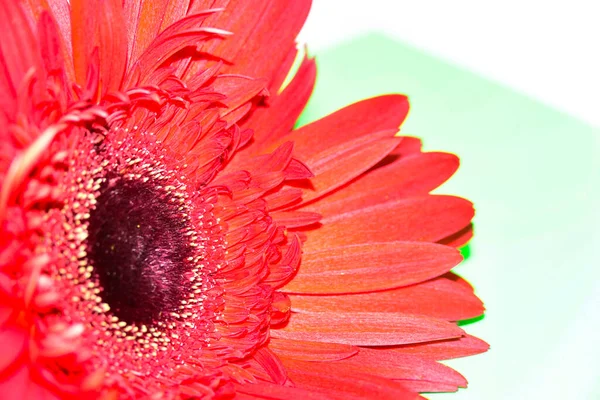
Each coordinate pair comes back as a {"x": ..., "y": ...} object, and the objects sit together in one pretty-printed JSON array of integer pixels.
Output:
[{"x": 138, "y": 246}]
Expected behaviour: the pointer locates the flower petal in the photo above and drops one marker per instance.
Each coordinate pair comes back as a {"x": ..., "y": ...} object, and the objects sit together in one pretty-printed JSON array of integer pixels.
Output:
[
  {"x": 266, "y": 390},
  {"x": 440, "y": 298},
  {"x": 445, "y": 349},
  {"x": 277, "y": 120},
  {"x": 13, "y": 343},
  {"x": 366, "y": 328},
  {"x": 20, "y": 385},
  {"x": 311, "y": 351},
  {"x": 18, "y": 53},
  {"x": 428, "y": 218},
  {"x": 345, "y": 383},
  {"x": 384, "y": 113},
  {"x": 263, "y": 34},
  {"x": 398, "y": 366},
  {"x": 345, "y": 144},
  {"x": 459, "y": 238},
  {"x": 335, "y": 166},
  {"x": 413, "y": 175},
  {"x": 99, "y": 23},
  {"x": 370, "y": 267},
  {"x": 147, "y": 18}
]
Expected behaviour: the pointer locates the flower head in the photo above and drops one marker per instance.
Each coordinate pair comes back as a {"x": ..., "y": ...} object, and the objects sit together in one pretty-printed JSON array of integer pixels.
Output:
[{"x": 166, "y": 233}]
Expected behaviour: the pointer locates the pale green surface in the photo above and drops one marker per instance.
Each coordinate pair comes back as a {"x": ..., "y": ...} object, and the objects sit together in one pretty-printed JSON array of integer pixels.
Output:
[{"x": 533, "y": 174}]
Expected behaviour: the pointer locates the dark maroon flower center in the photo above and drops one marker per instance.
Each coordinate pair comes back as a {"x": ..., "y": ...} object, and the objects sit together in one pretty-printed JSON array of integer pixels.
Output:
[{"x": 138, "y": 243}]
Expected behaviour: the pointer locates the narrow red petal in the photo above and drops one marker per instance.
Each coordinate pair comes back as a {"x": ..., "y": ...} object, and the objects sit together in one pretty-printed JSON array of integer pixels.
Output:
[
  {"x": 266, "y": 390},
  {"x": 408, "y": 145},
  {"x": 370, "y": 267},
  {"x": 414, "y": 175},
  {"x": 277, "y": 120},
  {"x": 147, "y": 18},
  {"x": 429, "y": 218},
  {"x": 20, "y": 385},
  {"x": 18, "y": 52},
  {"x": 263, "y": 34},
  {"x": 459, "y": 238},
  {"x": 60, "y": 11},
  {"x": 295, "y": 219},
  {"x": 366, "y": 329},
  {"x": 384, "y": 113},
  {"x": 398, "y": 366},
  {"x": 13, "y": 345},
  {"x": 311, "y": 351},
  {"x": 271, "y": 364},
  {"x": 335, "y": 166},
  {"x": 446, "y": 349},
  {"x": 342, "y": 383},
  {"x": 439, "y": 298}
]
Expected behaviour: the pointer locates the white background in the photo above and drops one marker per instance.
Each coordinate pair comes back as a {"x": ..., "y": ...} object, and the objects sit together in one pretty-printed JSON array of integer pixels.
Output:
[{"x": 549, "y": 50}]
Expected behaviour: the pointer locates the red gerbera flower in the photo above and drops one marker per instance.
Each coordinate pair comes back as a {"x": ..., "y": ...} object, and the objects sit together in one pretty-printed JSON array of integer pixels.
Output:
[{"x": 166, "y": 234}]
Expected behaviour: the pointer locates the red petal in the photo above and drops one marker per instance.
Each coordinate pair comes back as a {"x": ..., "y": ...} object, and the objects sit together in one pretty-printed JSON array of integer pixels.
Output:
[
  {"x": 277, "y": 120},
  {"x": 366, "y": 329},
  {"x": 335, "y": 166},
  {"x": 408, "y": 145},
  {"x": 370, "y": 267},
  {"x": 99, "y": 24},
  {"x": 311, "y": 351},
  {"x": 265, "y": 390},
  {"x": 271, "y": 364},
  {"x": 446, "y": 349},
  {"x": 295, "y": 219},
  {"x": 238, "y": 89},
  {"x": 183, "y": 33},
  {"x": 384, "y": 113},
  {"x": 413, "y": 175},
  {"x": 60, "y": 10},
  {"x": 20, "y": 385},
  {"x": 12, "y": 346},
  {"x": 348, "y": 142},
  {"x": 440, "y": 298},
  {"x": 342, "y": 383},
  {"x": 459, "y": 238},
  {"x": 18, "y": 52},
  {"x": 263, "y": 34},
  {"x": 398, "y": 366},
  {"x": 147, "y": 18},
  {"x": 429, "y": 218}
]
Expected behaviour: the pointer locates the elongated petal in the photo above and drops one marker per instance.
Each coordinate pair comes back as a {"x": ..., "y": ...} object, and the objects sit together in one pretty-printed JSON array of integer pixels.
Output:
[
  {"x": 384, "y": 113},
  {"x": 344, "y": 383},
  {"x": 263, "y": 34},
  {"x": 335, "y": 166},
  {"x": 18, "y": 52},
  {"x": 428, "y": 218},
  {"x": 370, "y": 267},
  {"x": 272, "y": 123},
  {"x": 147, "y": 18},
  {"x": 13, "y": 340},
  {"x": 414, "y": 175},
  {"x": 459, "y": 238},
  {"x": 398, "y": 366},
  {"x": 440, "y": 298},
  {"x": 20, "y": 385},
  {"x": 101, "y": 25},
  {"x": 311, "y": 351},
  {"x": 445, "y": 349},
  {"x": 266, "y": 390},
  {"x": 366, "y": 329}
]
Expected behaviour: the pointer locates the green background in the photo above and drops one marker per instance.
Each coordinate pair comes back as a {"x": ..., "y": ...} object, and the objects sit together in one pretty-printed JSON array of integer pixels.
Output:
[{"x": 533, "y": 174}]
